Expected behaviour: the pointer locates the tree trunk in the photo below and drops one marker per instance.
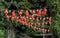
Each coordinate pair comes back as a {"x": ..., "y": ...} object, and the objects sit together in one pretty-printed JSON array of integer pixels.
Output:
[{"x": 11, "y": 33}]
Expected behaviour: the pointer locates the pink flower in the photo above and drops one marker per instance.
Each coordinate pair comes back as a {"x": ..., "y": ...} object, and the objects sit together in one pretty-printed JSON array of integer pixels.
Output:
[
  {"x": 27, "y": 13},
  {"x": 42, "y": 24},
  {"x": 13, "y": 14},
  {"x": 20, "y": 13},
  {"x": 6, "y": 12},
  {"x": 33, "y": 12}
]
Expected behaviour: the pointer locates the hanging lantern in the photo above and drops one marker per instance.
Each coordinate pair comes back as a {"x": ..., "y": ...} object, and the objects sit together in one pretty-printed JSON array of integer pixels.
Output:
[{"x": 6, "y": 12}]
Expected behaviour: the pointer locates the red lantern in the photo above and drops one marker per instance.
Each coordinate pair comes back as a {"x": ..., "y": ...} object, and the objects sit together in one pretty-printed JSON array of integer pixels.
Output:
[
  {"x": 6, "y": 12},
  {"x": 20, "y": 13},
  {"x": 13, "y": 14}
]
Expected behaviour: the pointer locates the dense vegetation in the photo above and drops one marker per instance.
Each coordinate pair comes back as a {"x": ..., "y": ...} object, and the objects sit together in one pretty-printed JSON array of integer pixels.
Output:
[{"x": 52, "y": 5}]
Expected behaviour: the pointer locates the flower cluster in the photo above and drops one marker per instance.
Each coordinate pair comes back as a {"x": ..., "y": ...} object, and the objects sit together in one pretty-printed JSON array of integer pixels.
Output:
[{"x": 33, "y": 19}]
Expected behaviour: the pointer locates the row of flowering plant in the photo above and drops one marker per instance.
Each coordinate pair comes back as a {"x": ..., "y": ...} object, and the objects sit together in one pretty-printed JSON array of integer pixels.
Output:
[{"x": 36, "y": 20}]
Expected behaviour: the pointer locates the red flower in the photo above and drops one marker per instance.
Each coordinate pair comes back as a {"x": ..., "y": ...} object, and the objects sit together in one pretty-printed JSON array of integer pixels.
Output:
[
  {"x": 29, "y": 25},
  {"x": 33, "y": 12},
  {"x": 6, "y": 12},
  {"x": 12, "y": 18},
  {"x": 32, "y": 18},
  {"x": 7, "y": 17},
  {"x": 24, "y": 19},
  {"x": 23, "y": 23},
  {"x": 39, "y": 13},
  {"x": 13, "y": 14},
  {"x": 17, "y": 19},
  {"x": 20, "y": 13},
  {"x": 27, "y": 13},
  {"x": 37, "y": 19},
  {"x": 42, "y": 24},
  {"x": 45, "y": 10}
]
